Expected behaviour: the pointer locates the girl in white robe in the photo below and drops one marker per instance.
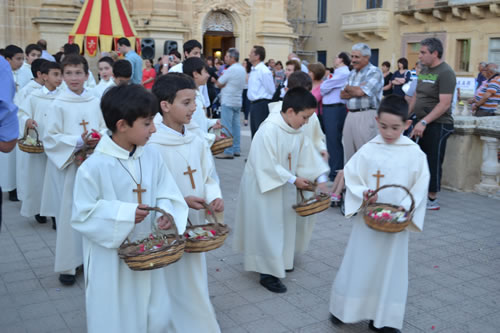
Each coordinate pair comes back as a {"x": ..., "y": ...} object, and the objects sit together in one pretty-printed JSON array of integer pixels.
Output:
[{"x": 372, "y": 282}]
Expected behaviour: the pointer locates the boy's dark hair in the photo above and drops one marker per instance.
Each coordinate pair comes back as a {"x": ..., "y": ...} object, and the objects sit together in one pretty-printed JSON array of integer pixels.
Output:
[
  {"x": 11, "y": 50},
  {"x": 190, "y": 45},
  {"x": 260, "y": 51},
  {"x": 299, "y": 99},
  {"x": 32, "y": 47},
  {"x": 123, "y": 41},
  {"x": 75, "y": 59},
  {"x": 395, "y": 105},
  {"x": 127, "y": 102},
  {"x": 193, "y": 64},
  {"x": 36, "y": 66},
  {"x": 109, "y": 60},
  {"x": 166, "y": 86},
  {"x": 47, "y": 66},
  {"x": 299, "y": 79},
  {"x": 122, "y": 68},
  {"x": 71, "y": 49},
  {"x": 58, "y": 56}
]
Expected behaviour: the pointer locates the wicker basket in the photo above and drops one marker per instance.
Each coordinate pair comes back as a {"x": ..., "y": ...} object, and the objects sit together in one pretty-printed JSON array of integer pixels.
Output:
[
  {"x": 220, "y": 145},
  {"x": 169, "y": 252},
  {"x": 205, "y": 245},
  {"x": 385, "y": 225},
  {"x": 317, "y": 204},
  {"x": 36, "y": 149}
]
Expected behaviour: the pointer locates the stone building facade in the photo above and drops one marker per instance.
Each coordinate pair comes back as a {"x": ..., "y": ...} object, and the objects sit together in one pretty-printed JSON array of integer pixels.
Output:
[{"x": 219, "y": 23}]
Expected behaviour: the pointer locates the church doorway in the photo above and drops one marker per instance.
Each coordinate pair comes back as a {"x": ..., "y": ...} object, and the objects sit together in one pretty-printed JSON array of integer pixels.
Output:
[{"x": 218, "y": 34}]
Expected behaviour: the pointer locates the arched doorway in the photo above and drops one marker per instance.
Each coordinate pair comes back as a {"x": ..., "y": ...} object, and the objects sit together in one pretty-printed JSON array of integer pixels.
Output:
[{"x": 218, "y": 34}]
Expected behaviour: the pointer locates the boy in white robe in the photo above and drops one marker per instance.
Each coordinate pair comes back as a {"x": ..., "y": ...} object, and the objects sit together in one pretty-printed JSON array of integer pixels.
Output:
[
  {"x": 24, "y": 74},
  {"x": 281, "y": 159},
  {"x": 372, "y": 282},
  {"x": 32, "y": 114},
  {"x": 75, "y": 114},
  {"x": 112, "y": 188},
  {"x": 189, "y": 160},
  {"x": 35, "y": 83},
  {"x": 105, "y": 66}
]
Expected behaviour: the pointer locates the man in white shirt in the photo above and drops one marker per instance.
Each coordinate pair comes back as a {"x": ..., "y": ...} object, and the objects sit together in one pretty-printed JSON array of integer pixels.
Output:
[
  {"x": 260, "y": 88},
  {"x": 45, "y": 55},
  {"x": 232, "y": 83}
]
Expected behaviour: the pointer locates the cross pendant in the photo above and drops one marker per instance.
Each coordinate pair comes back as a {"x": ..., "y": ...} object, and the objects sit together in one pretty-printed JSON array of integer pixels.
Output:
[
  {"x": 378, "y": 175},
  {"x": 191, "y": 178},
  {"x": 139, "y": 192},
  {"x": 83, "y": 123}
]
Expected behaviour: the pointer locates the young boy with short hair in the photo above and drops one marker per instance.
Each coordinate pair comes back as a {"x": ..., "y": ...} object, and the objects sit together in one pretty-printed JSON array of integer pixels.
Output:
[
  {"x": 281, "y": 160},
  {"x": 105, "y": 66},
  {"x": 122, "y": 72},
  {"x": 72, "y": 124},
  {"x": 24, "y": 75},
  {"x": 112, "y": 189},
  {"x": 372, "y": 281},
  {"x": 35, "y": 83},
  {"x": 190, "y": 161},
  {"x": 31, "y": 167}
]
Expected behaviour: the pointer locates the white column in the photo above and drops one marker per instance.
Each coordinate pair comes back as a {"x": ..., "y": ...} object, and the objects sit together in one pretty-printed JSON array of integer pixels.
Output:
[{"x": 490, "y": 168}]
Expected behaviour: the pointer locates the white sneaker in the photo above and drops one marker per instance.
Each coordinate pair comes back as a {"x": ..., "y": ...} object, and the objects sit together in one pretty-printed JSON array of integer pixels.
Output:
[{"x": 433, "y": 204}]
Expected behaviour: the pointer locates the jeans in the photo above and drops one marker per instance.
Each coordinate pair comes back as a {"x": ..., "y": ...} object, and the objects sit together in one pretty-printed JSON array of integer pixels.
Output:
[
  {"x": 333, "y": 120},
  {"x": 433, "y": 144},
  {"x": 230, "y": 118}
]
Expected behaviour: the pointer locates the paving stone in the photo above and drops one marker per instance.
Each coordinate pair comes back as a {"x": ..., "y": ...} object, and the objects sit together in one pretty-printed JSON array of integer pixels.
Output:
[
  {"x": 295, "y": 319},
  {"x": 268, "y": 325},
  {"x": 247, "y": 313}
]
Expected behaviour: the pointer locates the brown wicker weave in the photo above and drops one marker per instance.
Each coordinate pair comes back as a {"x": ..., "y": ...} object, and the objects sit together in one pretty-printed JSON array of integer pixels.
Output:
[
  {"x": 382, "y": 225},
  {"x": 205, "y": 245},
  {"x": 317, "y": 204},
  {"x": 36, "y": 149},
  {"x": 220, "y": 145},
  {"x": 171, "y": 251}
]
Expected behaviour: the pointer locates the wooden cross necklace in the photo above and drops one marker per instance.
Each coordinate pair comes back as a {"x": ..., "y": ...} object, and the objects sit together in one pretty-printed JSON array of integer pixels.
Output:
[
  {"x": 378, "y": 175},
  {"x": 83, "y": 123},
  {"x": 139, "y": 189},
  {"x": 189, "y": 172}
]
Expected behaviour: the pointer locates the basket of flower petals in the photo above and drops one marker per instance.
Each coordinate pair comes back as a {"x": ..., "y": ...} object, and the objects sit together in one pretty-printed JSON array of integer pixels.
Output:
[
  {"x": 314, "y": 205},
  {"x": 82, "y": 154},
  {"x": 158, "y": 250},
  {"x": 222, "y": 142},
  {"x": 29, "y": 144},
  {"x": 387, "y": 217},
  {"x": 206, "y": 237}
]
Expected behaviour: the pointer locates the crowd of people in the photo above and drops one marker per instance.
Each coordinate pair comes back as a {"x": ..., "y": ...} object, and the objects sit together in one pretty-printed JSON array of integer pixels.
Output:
[{"x": 141, "y": 138}]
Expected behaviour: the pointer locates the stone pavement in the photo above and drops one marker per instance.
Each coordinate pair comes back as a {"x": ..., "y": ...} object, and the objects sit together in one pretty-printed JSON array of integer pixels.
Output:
[{"x": 454, "y": 273}]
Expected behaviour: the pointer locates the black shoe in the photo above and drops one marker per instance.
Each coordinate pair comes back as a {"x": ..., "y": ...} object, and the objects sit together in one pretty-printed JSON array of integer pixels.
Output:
[
  {"x": 67, "y": 279},
  {"x": 54, "y": 223},
  {"x": 384, "y": 329},
  {"x": 40, "y": 219},
  {"x": 13, "y": 195},
  {"x": 290, "y": 270},
  {"x": 272, "y": 283},
  {"x": 335, "y": 320},
  {"x": 237, "y": 154}
]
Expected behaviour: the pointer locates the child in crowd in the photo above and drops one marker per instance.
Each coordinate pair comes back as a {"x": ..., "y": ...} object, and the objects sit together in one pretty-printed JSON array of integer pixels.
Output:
[
  {"x": 72, "y": 125},
  {"x": 188, "y": 158},
  {"x": 281, "y": 159},
  {"x": 105, "y": 66},
  {"x": 24, "y": 75},
  {"x": 109, "y": 207},
  {"x": 33, "y": 114},
  {"x": 372, "y": 282},
  {"x": 122, "y": 72},
  {"x": 35, "y": 83}
]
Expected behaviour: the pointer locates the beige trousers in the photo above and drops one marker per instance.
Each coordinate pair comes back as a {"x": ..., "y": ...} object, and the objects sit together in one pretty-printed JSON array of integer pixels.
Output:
[{"x": 359, "y": 128}]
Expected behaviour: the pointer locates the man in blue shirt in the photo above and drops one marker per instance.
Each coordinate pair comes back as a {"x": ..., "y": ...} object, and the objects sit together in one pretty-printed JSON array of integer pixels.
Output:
[
  {"x": 136, "y": 61},
  {"x": 9, "y": 126}
]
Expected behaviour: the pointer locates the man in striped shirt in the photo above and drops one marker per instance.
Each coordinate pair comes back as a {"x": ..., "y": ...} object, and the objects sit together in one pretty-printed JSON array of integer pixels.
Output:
[{"x": 486, "y": 100}]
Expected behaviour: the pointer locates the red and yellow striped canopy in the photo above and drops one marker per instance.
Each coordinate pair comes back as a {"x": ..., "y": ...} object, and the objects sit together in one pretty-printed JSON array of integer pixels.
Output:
[{"x": 102, "y": 21}]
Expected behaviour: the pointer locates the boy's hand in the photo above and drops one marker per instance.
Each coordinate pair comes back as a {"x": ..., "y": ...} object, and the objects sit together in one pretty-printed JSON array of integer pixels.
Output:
[
  {"x": 323, "y": 188},
  {"x": 325, "y": 155},
  {"x": 84, "y": 136},
  {"x": 30, "y": 123},
  {"x": 302, "y": 183},
  {"x": 217, "y": 125},
  {"x": 370, "y": 200},
  {"x": 194, "y": 202},
  {"x": 217, "y": 205},
  {"x": 164, "y": 223},
  {"x": 140, "y": 213},
  {"x": 93, "y": 139}
]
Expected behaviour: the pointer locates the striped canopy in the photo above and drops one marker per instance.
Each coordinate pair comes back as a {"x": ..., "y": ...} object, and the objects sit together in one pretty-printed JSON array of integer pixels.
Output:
[{"x": 101, "y": 23}]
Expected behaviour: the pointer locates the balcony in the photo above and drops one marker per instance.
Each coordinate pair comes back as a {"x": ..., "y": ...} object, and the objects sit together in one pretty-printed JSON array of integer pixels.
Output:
[{"x": 367, "y": 24}]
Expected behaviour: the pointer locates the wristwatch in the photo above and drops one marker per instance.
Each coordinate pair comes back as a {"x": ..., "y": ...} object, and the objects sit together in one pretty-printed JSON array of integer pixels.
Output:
[{"x": 423, "y": 122}]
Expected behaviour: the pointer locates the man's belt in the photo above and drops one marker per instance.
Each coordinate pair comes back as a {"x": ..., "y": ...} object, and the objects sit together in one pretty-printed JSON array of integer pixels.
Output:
[
  {"x": 361, "y": 110},
  {"x": 260, "y": 100},
  {"x": 334, "y": 104}
]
